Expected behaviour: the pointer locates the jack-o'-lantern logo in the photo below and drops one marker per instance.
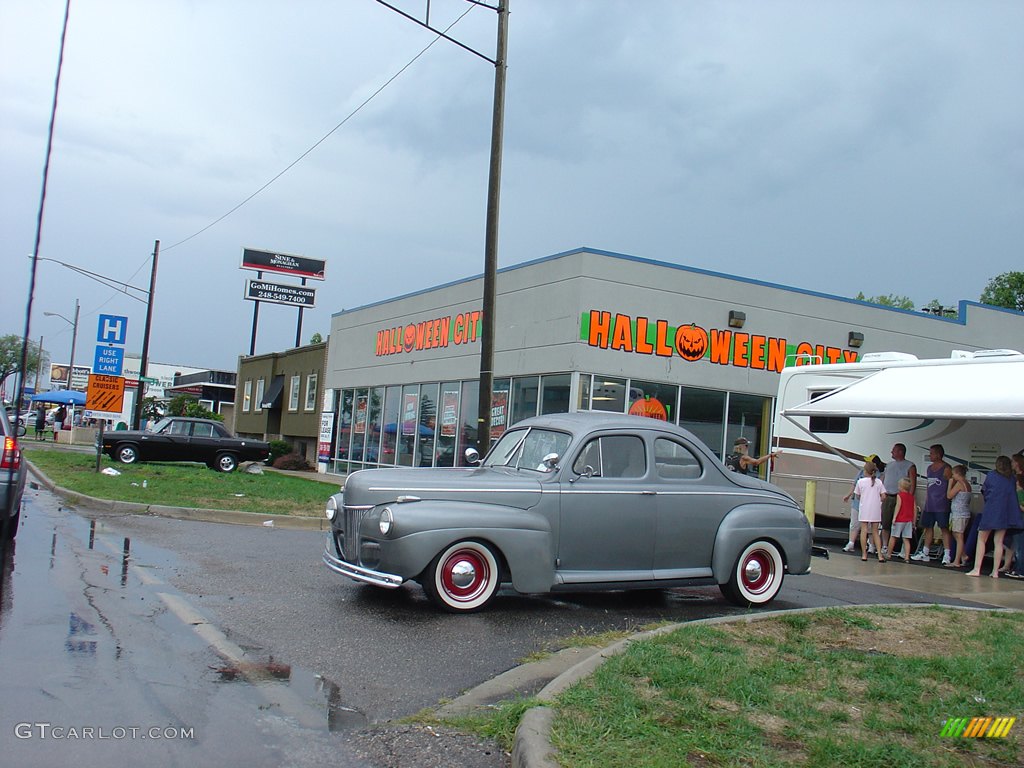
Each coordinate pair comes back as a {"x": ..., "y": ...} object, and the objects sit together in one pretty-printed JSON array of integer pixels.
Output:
[
  {"x": 650, "y": 407},
  {"x": 691, "y": 342}
]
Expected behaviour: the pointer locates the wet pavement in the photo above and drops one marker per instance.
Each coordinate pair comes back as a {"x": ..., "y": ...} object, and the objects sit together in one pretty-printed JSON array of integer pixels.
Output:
[{"x": 103, "y": 664}]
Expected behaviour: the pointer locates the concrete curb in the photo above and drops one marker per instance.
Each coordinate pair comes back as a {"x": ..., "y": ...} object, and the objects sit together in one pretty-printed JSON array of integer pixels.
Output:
[
  {"x": 228, "y": 516},
  {"x": 531, "y": 747}
]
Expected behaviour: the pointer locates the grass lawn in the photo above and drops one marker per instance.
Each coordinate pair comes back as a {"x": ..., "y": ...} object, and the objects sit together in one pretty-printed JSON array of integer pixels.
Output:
[
  {"x": 839, "y": 687},
  {"x": 183, "y": 485}
]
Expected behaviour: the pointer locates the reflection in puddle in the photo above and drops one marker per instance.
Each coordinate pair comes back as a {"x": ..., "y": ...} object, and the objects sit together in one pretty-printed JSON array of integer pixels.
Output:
[
  {"x": 317, "y": 691},
  {"x": 78, "y": 630}
]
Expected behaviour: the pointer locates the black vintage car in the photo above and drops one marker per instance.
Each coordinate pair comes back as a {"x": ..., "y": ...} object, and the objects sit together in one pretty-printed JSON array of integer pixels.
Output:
[{"x": 177, "y": 438}]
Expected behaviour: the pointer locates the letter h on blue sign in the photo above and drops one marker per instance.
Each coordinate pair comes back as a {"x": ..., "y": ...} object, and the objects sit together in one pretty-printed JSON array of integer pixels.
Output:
[{"x": 113, "y": 329}]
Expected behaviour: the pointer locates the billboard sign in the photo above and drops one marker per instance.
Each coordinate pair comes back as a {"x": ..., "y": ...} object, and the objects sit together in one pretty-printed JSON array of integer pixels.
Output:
[
  {"x": 283, "y": 263},
  {"x": 293, "y": 295}
]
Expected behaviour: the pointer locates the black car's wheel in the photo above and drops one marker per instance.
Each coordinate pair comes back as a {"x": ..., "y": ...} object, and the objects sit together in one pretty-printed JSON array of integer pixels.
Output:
[
  {"x": 757, "y": 576},
  {"x": 226, "y": 462},
  {"x": 463, "y": 578},
  {"x": 126, "y": 453}
]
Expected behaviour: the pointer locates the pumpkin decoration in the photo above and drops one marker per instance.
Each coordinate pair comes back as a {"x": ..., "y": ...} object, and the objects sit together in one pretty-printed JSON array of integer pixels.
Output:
[{"x": 691, "y": 342}]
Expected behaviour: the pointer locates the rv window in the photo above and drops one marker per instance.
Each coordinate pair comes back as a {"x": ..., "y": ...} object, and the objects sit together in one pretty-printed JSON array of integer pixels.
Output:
[{"x": 828, "y": 424}]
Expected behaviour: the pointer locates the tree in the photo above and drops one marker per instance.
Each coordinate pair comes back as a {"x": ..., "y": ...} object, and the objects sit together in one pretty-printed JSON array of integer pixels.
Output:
[
  {"x": 151, "y": 409},
  {"x": 10, "y": 358},
  {"x": 891, "y": 300},
  {"x": 316, "y": 338},
  {"x": 1005, "y": 290},
  {"x": 187, "y": 405}
]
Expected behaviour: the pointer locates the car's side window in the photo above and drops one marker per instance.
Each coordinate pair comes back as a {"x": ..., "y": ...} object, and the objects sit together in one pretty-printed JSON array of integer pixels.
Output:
[
  {"x": 179, "y": 428},
  {"x": 675, "y": 461},
  {"x": 203, "y": 430},
  {"x": 615, "y": 456}
]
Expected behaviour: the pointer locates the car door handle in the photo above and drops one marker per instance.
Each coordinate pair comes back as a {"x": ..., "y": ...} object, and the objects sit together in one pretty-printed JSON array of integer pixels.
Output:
[{"x": 648, "y": 493}]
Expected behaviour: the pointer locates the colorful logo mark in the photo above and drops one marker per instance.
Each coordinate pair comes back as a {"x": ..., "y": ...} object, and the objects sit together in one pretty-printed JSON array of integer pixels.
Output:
[{"x": 977, "y": 727}]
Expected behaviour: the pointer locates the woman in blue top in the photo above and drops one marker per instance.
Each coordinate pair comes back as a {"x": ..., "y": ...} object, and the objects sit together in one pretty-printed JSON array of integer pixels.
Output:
[{"x": 1001, "y": 514}]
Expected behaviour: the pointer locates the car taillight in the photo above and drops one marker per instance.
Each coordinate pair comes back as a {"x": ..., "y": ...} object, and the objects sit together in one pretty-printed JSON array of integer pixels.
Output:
[{"x": 11, "y": 458}]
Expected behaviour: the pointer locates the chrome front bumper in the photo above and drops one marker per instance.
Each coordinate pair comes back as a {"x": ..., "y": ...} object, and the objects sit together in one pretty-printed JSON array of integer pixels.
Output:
[{"x": 358, "y": 573}]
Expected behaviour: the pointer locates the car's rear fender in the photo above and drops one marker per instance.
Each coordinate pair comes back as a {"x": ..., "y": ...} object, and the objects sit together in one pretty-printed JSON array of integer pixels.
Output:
[{"x": 753, "y": 522}]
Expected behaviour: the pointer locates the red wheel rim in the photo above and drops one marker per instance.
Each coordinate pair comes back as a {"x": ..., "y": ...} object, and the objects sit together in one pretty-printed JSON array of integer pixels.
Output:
[
  {"x": 758, "y": 572},
  {"x": 464, "y": 575}
]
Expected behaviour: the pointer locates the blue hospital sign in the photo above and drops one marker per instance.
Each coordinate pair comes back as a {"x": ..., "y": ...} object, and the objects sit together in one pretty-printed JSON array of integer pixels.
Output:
[
  {"x": 109, "y": 360},
  {"x": 113, "y": 329}
]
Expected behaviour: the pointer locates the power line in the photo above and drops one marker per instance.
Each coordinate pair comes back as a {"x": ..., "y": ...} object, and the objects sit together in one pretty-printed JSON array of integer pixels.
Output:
[{"x": 326, "y": 136}]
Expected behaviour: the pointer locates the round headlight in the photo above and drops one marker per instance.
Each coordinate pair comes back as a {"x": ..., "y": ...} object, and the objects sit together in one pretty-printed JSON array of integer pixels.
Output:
[
  {"x": 387, "y": 519},
  {"x": 332, "y": 508}
]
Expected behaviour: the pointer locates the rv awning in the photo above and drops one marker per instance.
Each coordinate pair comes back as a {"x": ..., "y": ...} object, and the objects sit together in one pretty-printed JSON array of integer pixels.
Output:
[
  {"x": 273, "y": 395},
  {"x": 971, "y": 391}
]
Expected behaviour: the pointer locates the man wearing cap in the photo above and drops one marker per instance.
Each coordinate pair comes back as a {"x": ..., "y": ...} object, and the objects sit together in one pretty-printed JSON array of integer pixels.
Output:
[{"x": 740, "y": 460}]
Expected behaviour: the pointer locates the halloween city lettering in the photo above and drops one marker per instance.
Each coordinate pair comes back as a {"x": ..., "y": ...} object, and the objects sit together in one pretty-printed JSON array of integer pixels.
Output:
[
  {"x": 429, "y": 334},
  {"x": 693, "y": 342}
]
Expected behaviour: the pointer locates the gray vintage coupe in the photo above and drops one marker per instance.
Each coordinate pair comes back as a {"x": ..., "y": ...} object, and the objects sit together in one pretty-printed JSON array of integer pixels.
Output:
[{"x": 570, "y": 502}]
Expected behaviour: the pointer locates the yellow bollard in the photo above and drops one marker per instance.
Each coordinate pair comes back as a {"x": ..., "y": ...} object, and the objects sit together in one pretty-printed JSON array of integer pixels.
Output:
[{"x": 810, "y": 494}]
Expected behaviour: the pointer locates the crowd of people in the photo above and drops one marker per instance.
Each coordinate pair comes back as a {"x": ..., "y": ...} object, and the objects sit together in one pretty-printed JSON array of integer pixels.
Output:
[{"x": 884, "y": 513}]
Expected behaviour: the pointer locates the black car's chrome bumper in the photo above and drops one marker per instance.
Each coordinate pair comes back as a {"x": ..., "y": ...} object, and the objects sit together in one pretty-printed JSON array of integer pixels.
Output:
[{"x": 365, "y": 575}]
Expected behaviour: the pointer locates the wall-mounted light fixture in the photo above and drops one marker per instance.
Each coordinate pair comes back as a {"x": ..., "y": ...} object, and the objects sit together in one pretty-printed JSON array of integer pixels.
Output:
[
  {"x": 736, "y": 318},
  {"x": 856, "y": 339}
]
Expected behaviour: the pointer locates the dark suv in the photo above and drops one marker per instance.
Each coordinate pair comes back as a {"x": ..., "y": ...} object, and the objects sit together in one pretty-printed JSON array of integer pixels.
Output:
[{"x": 12, "y": 476}]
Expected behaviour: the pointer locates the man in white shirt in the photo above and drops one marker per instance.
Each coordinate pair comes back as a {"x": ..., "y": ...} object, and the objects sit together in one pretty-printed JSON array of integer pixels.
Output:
[{"x": 895, "y": 471}]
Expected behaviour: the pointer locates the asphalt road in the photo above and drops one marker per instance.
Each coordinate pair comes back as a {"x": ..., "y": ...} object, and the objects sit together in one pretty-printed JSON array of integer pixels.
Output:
[{"x": 242, "y": 635}]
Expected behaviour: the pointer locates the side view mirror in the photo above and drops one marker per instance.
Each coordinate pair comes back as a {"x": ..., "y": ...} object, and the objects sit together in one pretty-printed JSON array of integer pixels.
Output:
[
  {"x": 472, "y": 456},
  {"x": 550, "y": 461}
]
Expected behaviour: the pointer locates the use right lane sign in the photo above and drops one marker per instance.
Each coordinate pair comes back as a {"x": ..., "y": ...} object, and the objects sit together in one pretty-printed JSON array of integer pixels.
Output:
[{"x": 105, "y": 394}]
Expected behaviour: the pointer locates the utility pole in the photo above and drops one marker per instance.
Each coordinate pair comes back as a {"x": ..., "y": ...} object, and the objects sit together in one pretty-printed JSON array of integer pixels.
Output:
[
  {"x": 483, "y": 432},
  {"x": 74, "y": 340},
  {"x": 144, "y": 362},
  {"x": 491, "y": 244}
]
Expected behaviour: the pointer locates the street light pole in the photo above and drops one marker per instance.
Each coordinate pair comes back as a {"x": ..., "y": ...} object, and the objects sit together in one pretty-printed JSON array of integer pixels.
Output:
[
  {"x": 74, "y": 337},
  {"x": 74, "y": 340}
]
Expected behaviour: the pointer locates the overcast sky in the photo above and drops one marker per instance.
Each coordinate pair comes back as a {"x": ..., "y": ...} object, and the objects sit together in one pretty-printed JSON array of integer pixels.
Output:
[{"x": 832, "y": 146}]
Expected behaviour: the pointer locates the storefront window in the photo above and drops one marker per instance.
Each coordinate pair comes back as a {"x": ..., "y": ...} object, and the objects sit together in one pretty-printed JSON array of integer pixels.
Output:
[
  {"x": 428, "y": 425},
  {"x": 499, "y": 407},
  {"x": 524, "y": 398},
  {"x": 373, "y": 426},
  {"x": 748, "y": 415},
  {"x": 389, "y": 434},
  {"x": 554, "y": 393},
  {"x": 360, "y": 419},
  {"x": 608, "y": 394},
  {"x": 409, "y": 426},
  {"x": 344, "y": 431},
  {"x": 468, "y": 420},
  {"x": 701, "y": 411},
  {"x": 657, "y": 401},
  {"x": 584, "y": 402},
  {"x": 448, "y": 425}
]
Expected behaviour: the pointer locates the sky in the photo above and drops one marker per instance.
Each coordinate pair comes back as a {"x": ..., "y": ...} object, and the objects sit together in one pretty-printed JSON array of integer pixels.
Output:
[{"x": 840, "y": 147}]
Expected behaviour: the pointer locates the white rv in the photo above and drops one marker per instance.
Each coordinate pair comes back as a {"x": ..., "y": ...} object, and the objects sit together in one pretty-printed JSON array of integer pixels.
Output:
[{"x": 829, "y": 417}]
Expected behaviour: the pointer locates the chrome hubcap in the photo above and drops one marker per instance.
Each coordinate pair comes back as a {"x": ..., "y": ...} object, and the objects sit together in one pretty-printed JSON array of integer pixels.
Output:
[
  {"x": 463, "y": 574},
  {"x": 753, "y": 571}
]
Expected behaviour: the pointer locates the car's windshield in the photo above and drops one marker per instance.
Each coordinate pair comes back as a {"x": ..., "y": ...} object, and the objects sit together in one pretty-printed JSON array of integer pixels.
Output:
[
  {"x": 160, "y": 426},
  {"x": 526, "y": 449}
]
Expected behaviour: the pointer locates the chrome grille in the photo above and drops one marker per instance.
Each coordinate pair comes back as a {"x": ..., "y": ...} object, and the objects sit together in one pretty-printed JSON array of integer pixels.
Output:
[{"x": 352, "y": 539}]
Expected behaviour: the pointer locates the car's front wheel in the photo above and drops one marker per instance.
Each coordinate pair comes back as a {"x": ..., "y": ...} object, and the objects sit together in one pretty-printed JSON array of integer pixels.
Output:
[
  {"x": 757, "y": 576},
  {"x": 127, "y": 453},
  {"x": 226, "y": 462},
  {"x": 463, "y": 578}
]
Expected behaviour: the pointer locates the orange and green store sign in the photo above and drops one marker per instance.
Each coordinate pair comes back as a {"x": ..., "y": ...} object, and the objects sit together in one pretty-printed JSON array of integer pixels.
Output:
[{"x": 593, "y": 330}]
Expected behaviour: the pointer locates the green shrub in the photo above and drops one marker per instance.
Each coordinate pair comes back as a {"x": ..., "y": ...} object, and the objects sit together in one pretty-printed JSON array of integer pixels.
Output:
[{"x": 278, "y": 448}]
